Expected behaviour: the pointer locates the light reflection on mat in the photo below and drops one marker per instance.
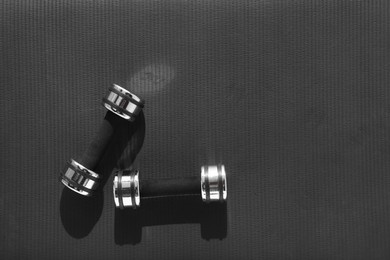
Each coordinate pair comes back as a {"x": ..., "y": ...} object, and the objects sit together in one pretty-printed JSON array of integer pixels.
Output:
[{"x": 152, "y": 78}]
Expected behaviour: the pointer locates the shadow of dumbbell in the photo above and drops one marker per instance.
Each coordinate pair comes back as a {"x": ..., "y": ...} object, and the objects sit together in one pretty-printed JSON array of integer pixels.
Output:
[{"x": 212, "y": 217}]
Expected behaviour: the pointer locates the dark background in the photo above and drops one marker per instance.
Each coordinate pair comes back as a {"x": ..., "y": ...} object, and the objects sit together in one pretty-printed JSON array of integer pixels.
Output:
[{"x": 292, "y": 96}]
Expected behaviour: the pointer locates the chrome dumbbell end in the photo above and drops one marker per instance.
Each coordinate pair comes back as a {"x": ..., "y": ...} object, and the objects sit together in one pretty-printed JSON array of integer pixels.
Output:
[
  {"x": 79, "y": 178},
  {"x": 123, "y": 103},
  {"x": 213, "y": 183},
  {"x": 126, "y": 189}
]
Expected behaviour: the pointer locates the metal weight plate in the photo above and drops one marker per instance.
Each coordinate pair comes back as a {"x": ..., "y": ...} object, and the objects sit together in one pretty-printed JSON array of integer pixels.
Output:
[
  {"x": 126, "y": 189},
  {"x": 213, "y": 183},
  {"x": 79, "y": 178},
  {"x": 123, "y": 103}
]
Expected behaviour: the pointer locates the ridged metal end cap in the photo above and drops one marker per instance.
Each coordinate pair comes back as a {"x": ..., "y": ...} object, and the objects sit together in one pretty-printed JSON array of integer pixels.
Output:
[
  {"x": 213, "y": 183},
  {"x": 79, "y": 178},
  {"x": 126, "y": 189},
  {"x": 123, "y": 103}
]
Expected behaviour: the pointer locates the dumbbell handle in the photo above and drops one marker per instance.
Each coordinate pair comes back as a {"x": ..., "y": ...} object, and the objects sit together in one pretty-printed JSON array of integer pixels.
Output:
[
  {"x": 95, "y": 150},
  {"x": 170, "y": 187}
]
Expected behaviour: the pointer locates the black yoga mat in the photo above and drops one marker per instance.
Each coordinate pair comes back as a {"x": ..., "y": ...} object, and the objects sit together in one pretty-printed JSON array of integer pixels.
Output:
[{"x": 291, "y": 96}]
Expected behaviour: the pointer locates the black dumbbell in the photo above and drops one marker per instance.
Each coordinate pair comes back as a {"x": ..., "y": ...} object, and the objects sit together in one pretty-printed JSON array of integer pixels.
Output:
[
  {"x": 128, "y": 190},
  {"x": 79, "y": 175}
]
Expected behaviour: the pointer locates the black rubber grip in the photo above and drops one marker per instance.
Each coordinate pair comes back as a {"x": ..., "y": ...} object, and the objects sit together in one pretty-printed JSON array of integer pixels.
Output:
[
  {"x": 96, "y": 148},
  {"x": 170, "y": 187}
]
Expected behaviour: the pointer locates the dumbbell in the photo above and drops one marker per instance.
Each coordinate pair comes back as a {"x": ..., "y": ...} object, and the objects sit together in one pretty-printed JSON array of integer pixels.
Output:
[
  {"x": 128, "y": 190},
  {"x": 123, "y": 106}
]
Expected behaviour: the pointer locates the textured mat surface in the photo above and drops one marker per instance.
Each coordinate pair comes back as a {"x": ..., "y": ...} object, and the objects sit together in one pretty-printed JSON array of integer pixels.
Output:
[{"x": 292, "y": 96}]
